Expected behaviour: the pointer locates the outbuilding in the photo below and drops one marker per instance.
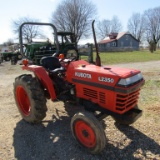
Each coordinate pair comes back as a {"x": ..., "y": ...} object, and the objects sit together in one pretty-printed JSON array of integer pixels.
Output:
[{"x": 123, "y": 41}]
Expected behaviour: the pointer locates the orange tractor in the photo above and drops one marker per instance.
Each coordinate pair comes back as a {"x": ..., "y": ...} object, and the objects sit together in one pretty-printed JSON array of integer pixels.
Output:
[{"x": 101, "y": 90}]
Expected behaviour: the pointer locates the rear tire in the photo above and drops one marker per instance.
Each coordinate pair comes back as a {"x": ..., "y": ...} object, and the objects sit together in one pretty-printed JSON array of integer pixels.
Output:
[
  {"x": 19, "y": 56},
  {"x": 13, "y": 60},
  {"x": 30, "y": 99},
  {"x": 88, "y": 131},
  {"x": 7, "y": 59}
]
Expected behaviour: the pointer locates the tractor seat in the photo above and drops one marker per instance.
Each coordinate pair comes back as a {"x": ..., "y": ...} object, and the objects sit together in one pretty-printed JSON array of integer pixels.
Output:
[{"x": 51, "y": 64}]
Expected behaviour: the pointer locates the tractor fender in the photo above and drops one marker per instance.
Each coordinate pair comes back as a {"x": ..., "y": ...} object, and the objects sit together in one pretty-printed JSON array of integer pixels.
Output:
[{"x": 42, "y": 75}]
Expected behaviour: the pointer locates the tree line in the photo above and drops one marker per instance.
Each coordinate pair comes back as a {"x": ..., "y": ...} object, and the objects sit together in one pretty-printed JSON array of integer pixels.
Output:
[
  {"x": 76, "y": 16},
  {"x": 146, "y": 27}
]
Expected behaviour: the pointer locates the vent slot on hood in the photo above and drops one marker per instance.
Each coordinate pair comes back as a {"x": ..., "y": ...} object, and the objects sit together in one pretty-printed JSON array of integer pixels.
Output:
[
  {"x": 100, "y": 96},
  {"x": 90, "y": 93}
]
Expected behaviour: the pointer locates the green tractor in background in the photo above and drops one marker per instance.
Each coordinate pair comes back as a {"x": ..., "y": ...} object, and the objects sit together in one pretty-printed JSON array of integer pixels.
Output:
[
  {"x": 8, "y": 55},
  {"x": 36, "y": 50},
  {"x": 63, "y": 43}
]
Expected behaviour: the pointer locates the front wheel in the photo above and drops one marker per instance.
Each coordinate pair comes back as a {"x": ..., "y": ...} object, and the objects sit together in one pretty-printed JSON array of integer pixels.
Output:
[
  {"x": 7, "y": 59},
  {"x": 88, "y": 131},
  {"x": 30, "y": 99},
  {"x": 72, "y": 54}
]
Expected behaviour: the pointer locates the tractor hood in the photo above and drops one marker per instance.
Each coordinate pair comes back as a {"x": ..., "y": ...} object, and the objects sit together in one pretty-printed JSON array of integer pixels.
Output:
[
  {"x": 109, "y": 75},
  {"x": 107, "y": 71}
]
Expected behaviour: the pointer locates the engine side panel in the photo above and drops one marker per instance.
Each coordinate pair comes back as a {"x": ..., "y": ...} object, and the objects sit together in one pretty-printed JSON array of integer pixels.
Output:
[{"x": 99, "y": 85}]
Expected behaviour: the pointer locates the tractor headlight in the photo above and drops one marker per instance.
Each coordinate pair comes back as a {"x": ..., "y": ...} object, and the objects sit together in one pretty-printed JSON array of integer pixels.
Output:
[{"x": 130, "y": 80}]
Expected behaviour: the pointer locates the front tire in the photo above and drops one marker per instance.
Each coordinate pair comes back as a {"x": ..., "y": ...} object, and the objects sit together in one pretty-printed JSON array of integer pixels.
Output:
[
  {"x": 30, "y": 99},
  {"x": 88, "y": 131}
]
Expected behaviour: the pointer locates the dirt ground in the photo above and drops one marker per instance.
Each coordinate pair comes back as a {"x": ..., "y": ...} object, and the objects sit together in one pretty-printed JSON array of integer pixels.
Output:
[{"x": 53, "y": 140}]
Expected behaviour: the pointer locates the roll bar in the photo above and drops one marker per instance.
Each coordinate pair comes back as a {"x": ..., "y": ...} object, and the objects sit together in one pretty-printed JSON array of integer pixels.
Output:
[{"x": 37, "y": 23}]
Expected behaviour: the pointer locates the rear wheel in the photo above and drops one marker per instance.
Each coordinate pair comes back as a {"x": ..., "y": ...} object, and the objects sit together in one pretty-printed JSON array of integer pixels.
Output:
[
  {"x": 19, "y": 56},
  {"x": 7, "y": 58},
  {"x": 13, "y": 60},
  {"x": 71, "y": 54},
  {"x": 88, "y": 131},
  {"x": 30, "y": 99}
]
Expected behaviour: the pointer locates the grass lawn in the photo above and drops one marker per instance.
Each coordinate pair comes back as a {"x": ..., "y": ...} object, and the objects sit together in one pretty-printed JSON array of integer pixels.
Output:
[{"x": 127, "y": 57}]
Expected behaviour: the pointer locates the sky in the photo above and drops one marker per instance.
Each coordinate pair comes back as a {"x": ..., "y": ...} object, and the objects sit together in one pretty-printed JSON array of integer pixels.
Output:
[{"x": 11, "y": 10}]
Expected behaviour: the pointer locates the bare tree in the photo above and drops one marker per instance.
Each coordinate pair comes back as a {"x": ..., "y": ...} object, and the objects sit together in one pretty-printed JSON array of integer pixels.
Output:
[
  {"x": 105, "y": 27},
  {"x": 152, "y": 26},
  {"x": 136, "y": 26},
  {"x": 116, "y": 25},
  {"x": 74, "y": 16},
  {"x": 9, "y": 42},
  {"x": 29, "y": 31}
]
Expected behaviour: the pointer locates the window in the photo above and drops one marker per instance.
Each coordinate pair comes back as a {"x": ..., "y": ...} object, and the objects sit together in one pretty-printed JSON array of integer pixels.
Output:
[
  {"x": 131, "y": 43},
  {"x": 126, "y": 37},
  {"x": 108, "y": 44},
  {"x": 114, "y": 44},
  {"x": 121, "y": 44}
]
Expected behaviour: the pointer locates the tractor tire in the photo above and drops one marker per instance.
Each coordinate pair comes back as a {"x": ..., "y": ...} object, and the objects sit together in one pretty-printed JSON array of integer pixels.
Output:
[
  {"x": 88, "y": 131},
  {"x": 30, "y": 98},
  {"x": 71, "y": 54},
  {"x": 19, "y": 56},
  {"x": 2, "y": 59},
  {"x": 7, "y": 59},
  {"x": 13, "y": 60}
]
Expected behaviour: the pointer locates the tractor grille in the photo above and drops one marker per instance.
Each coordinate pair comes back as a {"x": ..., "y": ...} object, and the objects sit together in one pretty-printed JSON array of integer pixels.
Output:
[
  {"x": 90, "y": 93},
  {"x": 125, "y": 101},
  {"x": 100, "y": 96}
]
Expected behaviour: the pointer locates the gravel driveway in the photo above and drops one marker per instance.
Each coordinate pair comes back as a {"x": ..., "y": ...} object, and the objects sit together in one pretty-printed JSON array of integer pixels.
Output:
[{"x": 53, "y": 140}]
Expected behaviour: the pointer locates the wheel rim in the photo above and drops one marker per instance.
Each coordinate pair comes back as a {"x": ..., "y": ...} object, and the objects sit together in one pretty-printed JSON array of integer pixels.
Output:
[
  {"x": 85, "y": 134},
  {"x": 23, "y": 100},
  {"x": 19, "y": 56},
  {"x": 71, "y": 54}
]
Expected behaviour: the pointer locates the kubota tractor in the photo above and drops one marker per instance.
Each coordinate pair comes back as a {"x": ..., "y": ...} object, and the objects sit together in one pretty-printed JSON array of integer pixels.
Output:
[{"x": 101, "y": 90}]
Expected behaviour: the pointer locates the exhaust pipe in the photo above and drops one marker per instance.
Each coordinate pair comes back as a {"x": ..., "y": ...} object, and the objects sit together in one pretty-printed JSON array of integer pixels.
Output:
[{"x": 98, "y": 60}]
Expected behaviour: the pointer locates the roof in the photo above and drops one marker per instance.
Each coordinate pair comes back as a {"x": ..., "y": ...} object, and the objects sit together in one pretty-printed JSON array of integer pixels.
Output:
[{"x": 107, "y": 39}]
